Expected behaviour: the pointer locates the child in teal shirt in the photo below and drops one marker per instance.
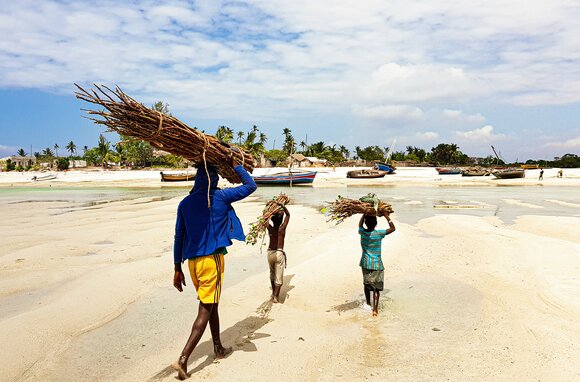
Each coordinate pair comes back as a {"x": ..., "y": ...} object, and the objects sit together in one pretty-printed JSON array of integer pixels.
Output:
[{"x": 371, "y": 262}]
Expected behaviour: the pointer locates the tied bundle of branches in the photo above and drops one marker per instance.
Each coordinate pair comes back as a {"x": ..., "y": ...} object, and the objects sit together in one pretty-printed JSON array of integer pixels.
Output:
[
  {"x": 128, "y": 117},
  {"x": 258, "y": 228},
  {"x": 343, "y": 208}
]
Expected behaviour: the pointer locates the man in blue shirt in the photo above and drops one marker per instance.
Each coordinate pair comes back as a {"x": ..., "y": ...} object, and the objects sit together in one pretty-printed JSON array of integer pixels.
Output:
[
  {"x": 206, "y": 224},
  {"x": 371, "y": 261}
]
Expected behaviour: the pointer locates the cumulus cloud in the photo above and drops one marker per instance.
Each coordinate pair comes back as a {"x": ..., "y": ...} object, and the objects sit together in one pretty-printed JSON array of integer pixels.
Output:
[
  {"x": 260, "y": 59},
  {"x": 483, "y": 134},
  {"x": 458, "y": 115},
  {"x": 415, "y": 83},
  {"x": 399, "y": 112},
  {"x": 572, "y": 143},
  {"x": 427, "y": 135}
]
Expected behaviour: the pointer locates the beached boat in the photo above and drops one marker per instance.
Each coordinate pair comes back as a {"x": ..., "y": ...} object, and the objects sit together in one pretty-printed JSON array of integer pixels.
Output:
[
  {"x": 286, "y": 178},
  {"x": 366, "y": 174},
  {"x": 448, "y": 170},
  {"x": 475, "y": 172},
  {"x": 530, "y": 166},
  {"x": 181, "y": 177},
  {"x": 390, "y": 169},
  {"x": 43, "y": 177},
  {"x": 509, "y": 173}
]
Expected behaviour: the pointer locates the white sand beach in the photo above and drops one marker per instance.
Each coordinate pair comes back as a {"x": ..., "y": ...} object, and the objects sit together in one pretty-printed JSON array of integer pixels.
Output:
[{"x": 86, "y": 292}]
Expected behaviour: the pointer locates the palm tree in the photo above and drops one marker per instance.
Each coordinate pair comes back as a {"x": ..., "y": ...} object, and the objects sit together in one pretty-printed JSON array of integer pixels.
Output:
[
  {"x": 263, "y": 138},
  {"x": 240, "y": 136},
  {"x": 103, "y": 149},
  {"x": 21, "y": 152},
  {"x": 289, "y": 142},
  {"x": 303, "y": 146},
  {"x": 47, "y": 153},
  {"x": 56, "y": 147},
  {"x": 71, "y": 147},
  {"x": 224, "y": 134},
  {"x": 344, "y": 151},
  {"x": 85, "y": 149}
]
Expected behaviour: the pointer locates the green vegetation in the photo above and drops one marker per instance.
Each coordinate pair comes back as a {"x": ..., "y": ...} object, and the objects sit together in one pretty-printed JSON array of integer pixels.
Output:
[{"x": 135, "y": 153}]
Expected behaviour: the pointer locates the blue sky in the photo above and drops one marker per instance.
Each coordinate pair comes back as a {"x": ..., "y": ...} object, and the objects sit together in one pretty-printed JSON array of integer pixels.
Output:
[{"x": 474, "y": 73}]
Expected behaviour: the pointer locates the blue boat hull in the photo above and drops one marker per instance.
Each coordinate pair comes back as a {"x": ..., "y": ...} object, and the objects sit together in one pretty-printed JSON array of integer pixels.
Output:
[
  {"x": 286, "y": 179},
  {"x": 384, "y": 167}
]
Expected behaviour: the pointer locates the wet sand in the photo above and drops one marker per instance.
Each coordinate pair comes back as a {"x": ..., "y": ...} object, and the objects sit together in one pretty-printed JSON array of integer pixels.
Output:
[{"x": 86, "y": 295}]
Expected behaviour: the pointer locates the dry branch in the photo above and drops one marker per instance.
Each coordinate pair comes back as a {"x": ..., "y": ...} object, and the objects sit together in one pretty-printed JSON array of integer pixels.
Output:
[
  {"x": 258, "y": 228},
  {"x": 124, "y": 115},
  {"x": 343, "y": 208}
]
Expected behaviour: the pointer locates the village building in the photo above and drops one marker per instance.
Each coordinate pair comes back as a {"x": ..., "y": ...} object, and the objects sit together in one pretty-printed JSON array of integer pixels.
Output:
[
  {"x": 25, "y": 161},
  {"x": 299, "y": 160}
]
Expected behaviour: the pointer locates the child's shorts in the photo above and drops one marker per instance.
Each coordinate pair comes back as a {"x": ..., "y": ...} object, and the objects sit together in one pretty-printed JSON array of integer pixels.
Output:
[
  {"x": 277, "y": 262},
  {"x": 373, "y": 279}
]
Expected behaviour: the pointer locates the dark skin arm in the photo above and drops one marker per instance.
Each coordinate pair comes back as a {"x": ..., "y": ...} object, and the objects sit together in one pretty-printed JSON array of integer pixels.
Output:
[
  {"x": 391, "y": 228},
  {"x": 286, "y": 218},
  {"x": 178, "y": 278},
  {"x": 361, "y": 221}
]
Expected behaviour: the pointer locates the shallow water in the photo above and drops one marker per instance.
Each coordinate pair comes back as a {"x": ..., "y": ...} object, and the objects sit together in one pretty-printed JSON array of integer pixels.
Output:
[{"x": 411, "y": 203}]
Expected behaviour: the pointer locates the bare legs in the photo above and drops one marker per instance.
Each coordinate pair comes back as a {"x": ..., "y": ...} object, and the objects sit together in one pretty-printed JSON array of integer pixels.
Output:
[
  {"x": 206, "y": 313},
  {"x": 275, "y": 291},
  {"x": 376, "y": 295},
  {"x": 368, "y": 295}
]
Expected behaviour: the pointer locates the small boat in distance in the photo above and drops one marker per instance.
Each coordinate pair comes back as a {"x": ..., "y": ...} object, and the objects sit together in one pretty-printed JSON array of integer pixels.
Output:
[
  {"x": 390, "y": 169},
  {"x": 181, "y": 177},
  {"x": 366, "y": 174},
  {"x": 448, "y": 170},
  {"x": 509, "y": 173},
  {"x": 43, "y": 177},
  {"x": 286, "y": 178},
  {"x": 475, "y": 171}
]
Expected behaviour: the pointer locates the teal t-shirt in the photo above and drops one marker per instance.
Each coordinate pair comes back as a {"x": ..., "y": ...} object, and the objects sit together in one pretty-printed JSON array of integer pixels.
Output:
[{"x": 370, "y": 243}]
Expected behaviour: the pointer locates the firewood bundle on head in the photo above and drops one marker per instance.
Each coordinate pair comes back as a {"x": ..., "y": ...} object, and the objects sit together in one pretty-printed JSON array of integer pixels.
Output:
[
  {"x": 128, "y": 117},
  {"x": 258, "y": 228},
  {"x": 343, "y": 208}
]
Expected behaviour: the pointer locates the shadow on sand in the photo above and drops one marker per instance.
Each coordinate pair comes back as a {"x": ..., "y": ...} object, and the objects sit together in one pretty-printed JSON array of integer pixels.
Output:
[{"x": 240, "y": 335}]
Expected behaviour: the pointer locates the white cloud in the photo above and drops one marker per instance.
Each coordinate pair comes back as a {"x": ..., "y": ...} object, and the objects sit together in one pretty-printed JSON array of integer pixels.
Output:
[
  {"x": 572, "y": 143},
  {"x": 427, "y": 135},
  {"x": 267, "y": 60},
  {"x": 483, "y": 134},
  {"x": 458, "y": 115},
  {"x": 399, "y": 112},
  {"x": 416, "y": 83}
]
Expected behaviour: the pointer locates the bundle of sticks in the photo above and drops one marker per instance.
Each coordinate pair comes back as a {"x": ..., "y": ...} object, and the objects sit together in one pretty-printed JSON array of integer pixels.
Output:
[
  {"x": 343, "y": 208},
  {"x": 258, "y": 228},
  {"x": 124, "y": 115}
]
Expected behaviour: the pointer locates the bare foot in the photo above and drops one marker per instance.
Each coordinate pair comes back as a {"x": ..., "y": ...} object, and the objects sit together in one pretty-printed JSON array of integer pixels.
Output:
[
  {"x": 275, "y": 299},
  {"x": 375, "y": 313},
  {"x": 221, "y": 352},
  {"x": 181, "y": 367}
]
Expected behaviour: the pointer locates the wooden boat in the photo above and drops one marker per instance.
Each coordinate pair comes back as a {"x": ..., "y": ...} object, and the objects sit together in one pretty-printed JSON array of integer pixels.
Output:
[
  {"x": 43, "y": 177},
  {"x": 366, "y": 174},
  {"x": 475, "y": 172},
  {"x": 390, "y": 169},
  {"x": 181, "y": 177},
  {"x": 448, "y": 170},
  {"x": 286, "y": 178},
  {"x": 530, "y": 166},
  {"x": 509, "y": 173}
]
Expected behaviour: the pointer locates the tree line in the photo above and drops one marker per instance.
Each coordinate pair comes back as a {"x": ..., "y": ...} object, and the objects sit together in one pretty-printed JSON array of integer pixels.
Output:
[{"x": 137, "y": 153}]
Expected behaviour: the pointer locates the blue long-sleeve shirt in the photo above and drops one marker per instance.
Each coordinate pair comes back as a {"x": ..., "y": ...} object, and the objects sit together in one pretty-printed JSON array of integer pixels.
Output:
[{"x": 200, "y": 230}]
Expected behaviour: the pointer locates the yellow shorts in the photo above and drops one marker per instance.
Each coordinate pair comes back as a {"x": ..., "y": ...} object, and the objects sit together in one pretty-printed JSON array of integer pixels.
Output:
[{"x": 207, "y": 274}]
